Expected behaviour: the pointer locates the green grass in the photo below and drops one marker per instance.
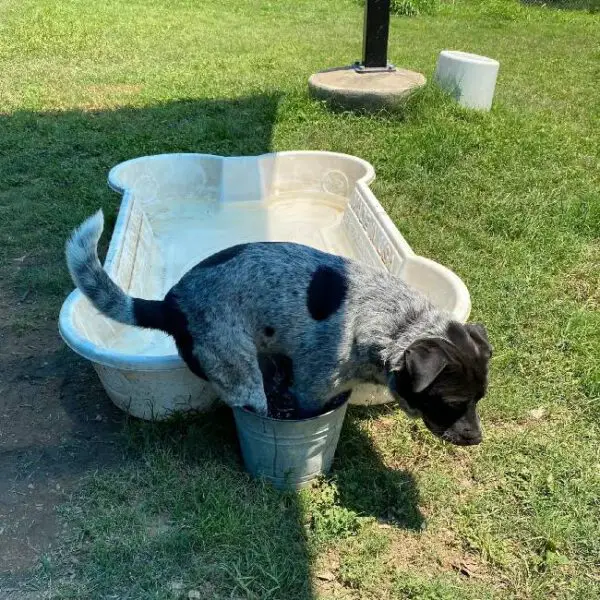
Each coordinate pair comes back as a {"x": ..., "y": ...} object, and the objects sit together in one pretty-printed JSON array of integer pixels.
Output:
[{"x": 510, "y": 200}]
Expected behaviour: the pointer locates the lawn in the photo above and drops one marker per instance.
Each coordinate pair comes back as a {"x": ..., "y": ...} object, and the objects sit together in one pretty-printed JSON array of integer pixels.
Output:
[{"x": 510, "y": 200}]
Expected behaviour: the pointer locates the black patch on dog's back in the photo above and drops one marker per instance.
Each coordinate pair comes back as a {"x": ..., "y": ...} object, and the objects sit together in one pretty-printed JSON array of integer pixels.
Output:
[
  {"x": 269, "y": 331},
  {"x": 326, "y": 292},
  {"x": 178, "y": 328},
  {"x": 222, "y": 256}
]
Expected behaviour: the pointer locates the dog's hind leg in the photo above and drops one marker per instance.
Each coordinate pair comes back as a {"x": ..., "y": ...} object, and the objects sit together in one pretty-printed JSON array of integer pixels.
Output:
[{"x": 234, "y": 373}]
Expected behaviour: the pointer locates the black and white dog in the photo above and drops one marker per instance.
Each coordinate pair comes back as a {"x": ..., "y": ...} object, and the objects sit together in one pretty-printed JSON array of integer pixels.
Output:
[{"x": 337, "y": 322}]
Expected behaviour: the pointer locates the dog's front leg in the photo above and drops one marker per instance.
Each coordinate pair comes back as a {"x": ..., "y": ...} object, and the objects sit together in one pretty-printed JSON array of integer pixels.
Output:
[
  {"x": 254, "y": 399},
  {"x": 247, "y": 396},
  {"x": 250, "y": 394},
  {"x": 235, "y": 374}
]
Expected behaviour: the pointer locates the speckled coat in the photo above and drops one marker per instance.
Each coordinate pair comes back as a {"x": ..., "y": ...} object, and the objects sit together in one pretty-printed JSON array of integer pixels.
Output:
[{"x": 335, "y": 320}]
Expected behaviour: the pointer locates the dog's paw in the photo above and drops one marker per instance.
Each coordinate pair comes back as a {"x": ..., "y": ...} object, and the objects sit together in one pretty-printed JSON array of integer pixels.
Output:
[{"x": 257, "y": 410}]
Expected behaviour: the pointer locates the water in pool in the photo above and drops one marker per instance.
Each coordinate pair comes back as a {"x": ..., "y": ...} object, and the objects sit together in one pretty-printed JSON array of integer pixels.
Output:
[{"x": 187, "y": 232}]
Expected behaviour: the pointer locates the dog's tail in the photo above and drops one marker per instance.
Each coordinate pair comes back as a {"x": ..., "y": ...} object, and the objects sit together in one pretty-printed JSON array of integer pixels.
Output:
[{"x": 90, "y": 277}]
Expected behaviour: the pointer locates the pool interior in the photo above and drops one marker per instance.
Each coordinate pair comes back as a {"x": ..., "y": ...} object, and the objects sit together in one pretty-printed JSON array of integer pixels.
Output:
[{"x": 174, "y": 236}]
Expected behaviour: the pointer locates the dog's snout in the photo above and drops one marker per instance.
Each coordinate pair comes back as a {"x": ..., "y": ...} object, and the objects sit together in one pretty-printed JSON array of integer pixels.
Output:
[
  {"x": 466, "y": 431},
  {"x": 471, "y": 440},
  {"x": 467, "y": 434},
  {"x": 462, "y": 438}
]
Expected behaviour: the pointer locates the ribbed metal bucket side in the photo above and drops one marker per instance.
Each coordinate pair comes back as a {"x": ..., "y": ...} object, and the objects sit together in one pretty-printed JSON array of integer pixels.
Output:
[{"x": 288, "y": 454}]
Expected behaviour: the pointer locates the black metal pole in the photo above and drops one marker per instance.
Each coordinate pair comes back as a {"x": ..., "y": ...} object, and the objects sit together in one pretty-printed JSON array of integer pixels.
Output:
[{"x": 375, "y": 35}]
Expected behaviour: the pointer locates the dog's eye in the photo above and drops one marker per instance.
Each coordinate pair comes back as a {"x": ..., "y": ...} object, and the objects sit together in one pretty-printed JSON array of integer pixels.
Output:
[{"x": 455, "y": 402}]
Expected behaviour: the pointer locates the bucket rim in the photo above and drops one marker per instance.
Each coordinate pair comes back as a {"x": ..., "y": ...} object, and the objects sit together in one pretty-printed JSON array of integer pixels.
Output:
[{"x": 245, "y": 411}]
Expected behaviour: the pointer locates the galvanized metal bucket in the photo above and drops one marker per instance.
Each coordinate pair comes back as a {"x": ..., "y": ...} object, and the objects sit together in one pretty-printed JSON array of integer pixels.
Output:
[{"x": 289, "y": 453}]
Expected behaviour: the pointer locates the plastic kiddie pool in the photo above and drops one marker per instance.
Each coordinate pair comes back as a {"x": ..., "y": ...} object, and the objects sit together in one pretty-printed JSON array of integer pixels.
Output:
[{"x": 180, "y": 208}]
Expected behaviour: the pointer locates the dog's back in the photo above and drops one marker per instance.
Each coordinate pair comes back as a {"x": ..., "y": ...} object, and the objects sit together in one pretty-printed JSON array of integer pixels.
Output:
[
  {"x": 336, "y": 320},
  {"x": 328, "y": 314}
]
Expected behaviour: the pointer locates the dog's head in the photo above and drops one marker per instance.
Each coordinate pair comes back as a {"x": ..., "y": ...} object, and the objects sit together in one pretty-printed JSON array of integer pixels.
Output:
[{"x": 442, "y": 379}]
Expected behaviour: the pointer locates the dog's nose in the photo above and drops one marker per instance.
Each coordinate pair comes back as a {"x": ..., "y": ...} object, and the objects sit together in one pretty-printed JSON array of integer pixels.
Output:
[{"x": 472, "y": 440}]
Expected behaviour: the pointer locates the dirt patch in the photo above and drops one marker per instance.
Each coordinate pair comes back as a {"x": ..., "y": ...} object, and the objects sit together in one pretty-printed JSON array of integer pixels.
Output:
[
  {"x": 435, "y": 553},
  {"x": 56, "y": 426},
  {"x": 534, "y": 420}
]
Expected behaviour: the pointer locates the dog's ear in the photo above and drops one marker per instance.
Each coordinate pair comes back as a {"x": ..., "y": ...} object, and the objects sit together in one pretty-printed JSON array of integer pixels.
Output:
[
  {"x": 479, "y": 335},
  {"x": 457, "y": 333},
  {"x": 424, "y": 360},
  {"x": 464, "y": 336}
]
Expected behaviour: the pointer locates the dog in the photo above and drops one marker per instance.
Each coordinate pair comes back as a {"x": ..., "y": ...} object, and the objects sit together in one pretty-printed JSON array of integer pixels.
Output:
[{"x": 337, "y": 321}]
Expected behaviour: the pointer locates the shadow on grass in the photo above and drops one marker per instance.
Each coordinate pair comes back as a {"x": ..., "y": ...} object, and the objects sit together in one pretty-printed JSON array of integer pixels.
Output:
[
  {"x": 195, "y": 516},
  {"x": 169, "y": 510},
  {"x": 233, "y": 534},
  {"x": 54, "y": 169},
  {"x": 366, "y": 485},
  {"x": 165, "y": 508}
]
